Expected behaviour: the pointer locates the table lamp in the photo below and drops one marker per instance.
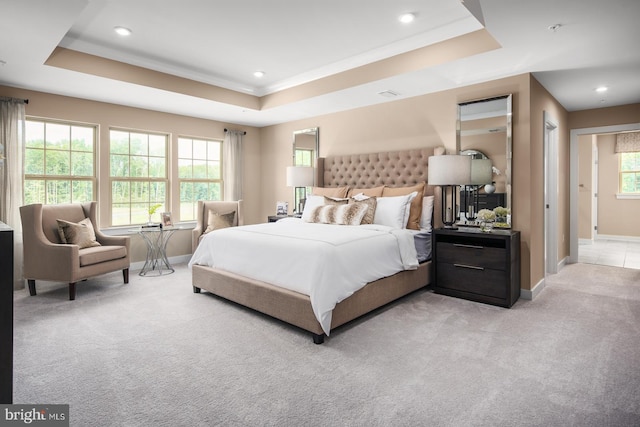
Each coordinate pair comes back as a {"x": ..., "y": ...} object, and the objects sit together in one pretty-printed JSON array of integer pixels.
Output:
[
  {"x": 449, "y": 172},
  {"x": 299, "y": 177}
]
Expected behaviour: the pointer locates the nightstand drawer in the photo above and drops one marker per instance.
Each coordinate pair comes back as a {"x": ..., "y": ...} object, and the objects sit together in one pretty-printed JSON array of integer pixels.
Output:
[
  {"x": 476, "y": 255},
  {"x": 462, "y": 277}
]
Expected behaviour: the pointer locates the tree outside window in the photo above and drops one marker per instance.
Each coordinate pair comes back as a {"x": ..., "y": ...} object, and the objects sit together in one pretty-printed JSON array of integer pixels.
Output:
[
  {"x": 630, "y": 173},
  {"x": 138, "y": 172},
  {"x": 199, "y": 173},
  {"x": 59, "y": 162}
]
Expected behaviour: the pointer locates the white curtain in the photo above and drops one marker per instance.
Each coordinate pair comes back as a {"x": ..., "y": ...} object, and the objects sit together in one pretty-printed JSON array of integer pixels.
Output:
[
  {"x": 232, "y": 165},
  {"x": 12, "y": 126}
]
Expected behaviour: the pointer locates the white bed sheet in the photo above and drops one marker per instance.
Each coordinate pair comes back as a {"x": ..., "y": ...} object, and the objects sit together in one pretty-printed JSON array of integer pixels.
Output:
[{"x": 326, "y": 262}]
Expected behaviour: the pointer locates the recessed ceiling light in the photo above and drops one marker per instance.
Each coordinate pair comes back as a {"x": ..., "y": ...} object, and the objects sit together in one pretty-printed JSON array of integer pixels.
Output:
[
  {"x": 122, "y": 31},
  {"x": 407, "y": 17},
  {"x": 259, "y": 74},
  {"x": 602, "y": 89}
]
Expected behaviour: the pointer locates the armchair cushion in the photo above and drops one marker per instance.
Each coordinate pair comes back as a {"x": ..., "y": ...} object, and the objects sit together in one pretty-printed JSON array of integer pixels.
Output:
[
  {"x": 81, "y": 233},
  {"x": 96, "y": 255}
]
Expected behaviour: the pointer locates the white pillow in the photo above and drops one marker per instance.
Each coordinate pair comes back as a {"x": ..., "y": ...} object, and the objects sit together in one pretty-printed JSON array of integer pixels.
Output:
[
  {"x": 393, "y": 211},
  {"x": 310, "y": 205},
  {"x": 427, "y": 214}
]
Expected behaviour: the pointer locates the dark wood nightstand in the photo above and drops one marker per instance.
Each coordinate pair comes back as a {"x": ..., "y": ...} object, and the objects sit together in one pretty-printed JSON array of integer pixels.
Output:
[
  {"x": 478, "y": 266},
  {"x": 274, "y": 218}
]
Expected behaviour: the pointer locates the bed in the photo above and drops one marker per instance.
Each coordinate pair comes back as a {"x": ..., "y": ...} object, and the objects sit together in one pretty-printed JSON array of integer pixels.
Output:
[{"x": 394, "y": 170}]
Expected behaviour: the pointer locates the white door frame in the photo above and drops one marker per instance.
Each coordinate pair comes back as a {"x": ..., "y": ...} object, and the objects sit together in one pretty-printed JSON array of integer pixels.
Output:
[
  {"x": 550, "y": 194},
  {"x": 573, "y": 178}
]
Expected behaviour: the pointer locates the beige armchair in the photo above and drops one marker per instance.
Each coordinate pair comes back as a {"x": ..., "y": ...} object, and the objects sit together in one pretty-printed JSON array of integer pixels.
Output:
[
  {"x": 216, "y": 207},
  {"x": 47, "y": 258}
]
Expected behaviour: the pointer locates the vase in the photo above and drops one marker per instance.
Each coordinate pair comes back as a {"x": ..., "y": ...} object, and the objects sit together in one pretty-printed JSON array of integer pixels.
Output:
[{"x": 486, "y": 226}]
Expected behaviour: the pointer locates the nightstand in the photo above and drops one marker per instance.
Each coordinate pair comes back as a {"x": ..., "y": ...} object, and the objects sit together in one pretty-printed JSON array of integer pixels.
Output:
[
  {"x": 274, "y": 218},
  {"x": 478, "y": 266}
]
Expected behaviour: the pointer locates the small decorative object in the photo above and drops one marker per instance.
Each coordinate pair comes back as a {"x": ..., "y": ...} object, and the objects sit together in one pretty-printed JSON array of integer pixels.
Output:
[
  {"x": 501, "y": 215},
  {"x": 282, "y": 208},
  {"x": 152, "y": 210},
  {"x": 486, "y": 218},
  {"x": 490, "y": 188},
  {"x": 166, "y": 219}
]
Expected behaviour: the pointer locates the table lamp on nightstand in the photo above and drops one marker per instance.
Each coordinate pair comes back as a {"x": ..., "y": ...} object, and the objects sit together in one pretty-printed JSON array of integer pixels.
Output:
[
  {"x": 299, "y": 177},
  {"x": 449, "y": 172}
]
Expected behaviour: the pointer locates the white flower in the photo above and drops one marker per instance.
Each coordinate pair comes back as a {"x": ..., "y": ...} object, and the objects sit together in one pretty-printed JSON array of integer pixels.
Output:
[
  {"x": 486, "y": 215},
  {"x": 495, "y": 170}
]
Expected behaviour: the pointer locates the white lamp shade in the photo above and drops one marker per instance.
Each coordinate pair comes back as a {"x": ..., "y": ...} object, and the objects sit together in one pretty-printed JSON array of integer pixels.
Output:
[
  {"x": 449, "y": 170},
  {"x": 299, "y": 176},
  {"x": 481, "y": 171}
]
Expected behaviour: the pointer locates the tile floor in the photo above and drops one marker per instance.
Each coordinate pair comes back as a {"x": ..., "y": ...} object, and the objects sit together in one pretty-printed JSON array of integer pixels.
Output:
[{"x": 610, "y": 252}]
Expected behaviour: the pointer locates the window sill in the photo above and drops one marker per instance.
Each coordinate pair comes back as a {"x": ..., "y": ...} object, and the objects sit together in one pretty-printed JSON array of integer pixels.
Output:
[{"x": 628, "y": 196}]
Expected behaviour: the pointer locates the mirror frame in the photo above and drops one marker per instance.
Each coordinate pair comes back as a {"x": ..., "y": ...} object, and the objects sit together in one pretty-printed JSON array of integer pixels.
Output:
[
  {"x": 508, "y": 143},
  {"x": 300, "y": 193}
]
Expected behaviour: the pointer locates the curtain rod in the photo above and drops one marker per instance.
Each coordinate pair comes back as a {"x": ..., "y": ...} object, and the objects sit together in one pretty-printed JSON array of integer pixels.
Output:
[
  {"x": 8, "y": 98},
  {"x": 244, "y": 133}
]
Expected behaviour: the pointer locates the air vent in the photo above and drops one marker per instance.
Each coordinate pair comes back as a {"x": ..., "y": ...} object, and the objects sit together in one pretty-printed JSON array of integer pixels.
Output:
[{"x": 388, "y": 94}]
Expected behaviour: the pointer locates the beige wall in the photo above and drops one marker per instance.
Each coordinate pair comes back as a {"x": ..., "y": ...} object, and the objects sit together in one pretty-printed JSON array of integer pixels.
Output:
[
  {"x": 423, "y": 121},
  {"x": 541, "y": 102},
  {"x": 616, "y": 217},
  {"x": 106, "y": 115}
]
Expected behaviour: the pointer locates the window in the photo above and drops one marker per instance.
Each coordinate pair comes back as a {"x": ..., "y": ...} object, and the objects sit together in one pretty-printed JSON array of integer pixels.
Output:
[
  {"x": 630, "y": 173},
  {"x": 138, "y": 171},
  {"x": 199, "y": 173},
  {"x": 59, "y": 162}
]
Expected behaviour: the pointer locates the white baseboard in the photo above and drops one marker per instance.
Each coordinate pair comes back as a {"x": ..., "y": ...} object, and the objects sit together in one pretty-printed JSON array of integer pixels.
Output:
[
  {"x": 585, "y": 241},
  {"x": 533, "y": 293},
  {"x": 618, "y": 238}
]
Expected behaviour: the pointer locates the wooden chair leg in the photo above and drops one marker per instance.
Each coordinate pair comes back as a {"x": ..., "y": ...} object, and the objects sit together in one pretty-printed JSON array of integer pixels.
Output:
[
  {"x": 125, "y": 275},
  {"x": 72, "y": 291},
  {"x": 32, "y": 287}
]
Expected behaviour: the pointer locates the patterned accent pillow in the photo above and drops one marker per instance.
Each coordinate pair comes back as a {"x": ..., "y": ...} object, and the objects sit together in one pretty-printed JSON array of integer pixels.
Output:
[
  {"x": 81, "y": 233},
  {"x": 335, "y": 201},
  {"x": 216, "y": 221},
  {"x": 349, "y": 214},
  {"x": 371, "y": 203}
]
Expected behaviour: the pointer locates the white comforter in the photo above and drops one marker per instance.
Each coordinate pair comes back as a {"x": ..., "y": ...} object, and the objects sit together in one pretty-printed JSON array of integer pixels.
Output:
[{"x": 326, "y": 262}]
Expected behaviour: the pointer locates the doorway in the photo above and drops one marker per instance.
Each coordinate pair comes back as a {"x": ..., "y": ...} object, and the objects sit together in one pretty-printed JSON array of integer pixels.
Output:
[{"x": 574, "y": 249}]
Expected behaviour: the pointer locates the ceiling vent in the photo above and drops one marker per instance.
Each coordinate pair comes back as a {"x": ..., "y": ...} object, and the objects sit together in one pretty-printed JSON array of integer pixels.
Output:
[{"x": 388, "y": 94}]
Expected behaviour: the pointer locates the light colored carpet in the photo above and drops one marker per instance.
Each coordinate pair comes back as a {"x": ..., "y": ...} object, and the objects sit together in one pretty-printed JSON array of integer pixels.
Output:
[{"x": 153, "y": 353}]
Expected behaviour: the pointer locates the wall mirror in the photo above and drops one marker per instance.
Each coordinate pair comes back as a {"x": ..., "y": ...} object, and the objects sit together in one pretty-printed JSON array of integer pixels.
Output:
[
  {"x": 484, "y": 132},
  {"x": 306, "y": 144}
]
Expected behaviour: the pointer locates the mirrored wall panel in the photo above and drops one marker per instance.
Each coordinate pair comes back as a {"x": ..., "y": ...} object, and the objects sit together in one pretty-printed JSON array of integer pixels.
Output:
[{"x": 485, "y": 131}]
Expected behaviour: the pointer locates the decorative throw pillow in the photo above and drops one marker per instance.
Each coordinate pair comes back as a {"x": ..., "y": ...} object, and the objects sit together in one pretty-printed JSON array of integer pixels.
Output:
[
  {"x": 427, "y": 214},
  {"x": 217, "y": 221},
  {"x": 393, "y": 211},
  {"x": 335, "y": 201},
  {"x": 416, "y": 204},
  {"x": 371, "y": 203},
  {"x": 81, "y": 233},
  {"x": 371, "y": 192},
  {"x": 350, "y": 214},
  {"x": 330, "y": 191}
]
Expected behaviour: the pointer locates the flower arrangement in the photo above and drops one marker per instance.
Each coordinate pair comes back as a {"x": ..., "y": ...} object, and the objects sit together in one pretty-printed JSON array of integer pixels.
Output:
[
  {"x": 501, "y": 212},
  {"x": 152, "y": 209},
  {"x": 486, "y": 215}
]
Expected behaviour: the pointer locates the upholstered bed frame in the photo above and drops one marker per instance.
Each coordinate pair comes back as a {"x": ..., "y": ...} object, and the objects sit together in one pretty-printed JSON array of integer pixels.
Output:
[{"x": 393, "y": 169}]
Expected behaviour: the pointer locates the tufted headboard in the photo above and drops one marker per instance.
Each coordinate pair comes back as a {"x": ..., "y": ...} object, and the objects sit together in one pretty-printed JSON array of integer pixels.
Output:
[{"x": 391, "y": 168}]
